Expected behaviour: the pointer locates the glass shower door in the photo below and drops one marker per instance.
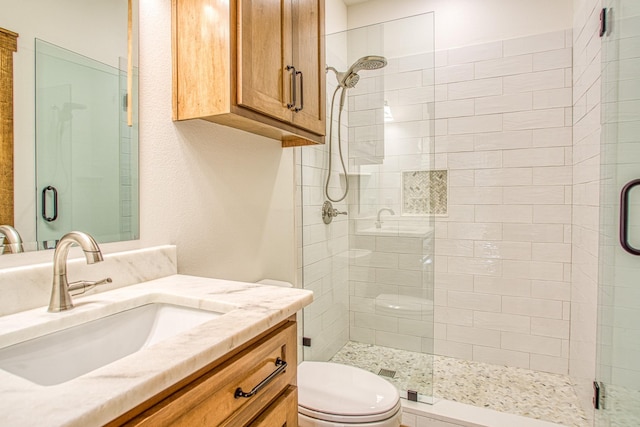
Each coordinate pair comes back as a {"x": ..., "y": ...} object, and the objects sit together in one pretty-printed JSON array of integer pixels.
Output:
[
  {"x": 372, "y": 270},
  {"x": 85, "y": 152},
  {"x": 618, "y": 358}
]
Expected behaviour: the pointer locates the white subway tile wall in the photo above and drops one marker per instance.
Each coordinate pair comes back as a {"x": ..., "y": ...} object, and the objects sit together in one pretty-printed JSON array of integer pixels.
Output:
[
  {"x": 503, "y": 256},
  {"x": 502, "y": 123}
]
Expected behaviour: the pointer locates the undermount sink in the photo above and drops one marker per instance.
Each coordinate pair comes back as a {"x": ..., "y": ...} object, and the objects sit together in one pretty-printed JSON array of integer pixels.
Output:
[{"x": 66, "y": 354}]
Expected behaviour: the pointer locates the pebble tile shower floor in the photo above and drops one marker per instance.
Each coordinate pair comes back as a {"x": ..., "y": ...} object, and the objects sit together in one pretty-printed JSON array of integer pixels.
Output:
[{"x": 539, "y": 395}]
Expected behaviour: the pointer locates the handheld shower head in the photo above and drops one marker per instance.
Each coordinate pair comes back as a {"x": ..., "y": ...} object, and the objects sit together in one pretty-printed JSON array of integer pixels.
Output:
[
  {"x": 371, "y": 62},
  {"x": 350, "y": 78}
]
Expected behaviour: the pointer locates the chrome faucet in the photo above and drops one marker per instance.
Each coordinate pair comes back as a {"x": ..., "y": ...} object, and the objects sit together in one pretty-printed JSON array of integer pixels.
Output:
[
  {"x": 14, "y": 241},
  {"x": 61, "y": 289},
  {"x": 378, "y": 221}
]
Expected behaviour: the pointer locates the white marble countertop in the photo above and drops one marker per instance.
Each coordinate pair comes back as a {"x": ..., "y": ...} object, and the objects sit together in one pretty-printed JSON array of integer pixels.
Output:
[{"x": 101, "y": 395}]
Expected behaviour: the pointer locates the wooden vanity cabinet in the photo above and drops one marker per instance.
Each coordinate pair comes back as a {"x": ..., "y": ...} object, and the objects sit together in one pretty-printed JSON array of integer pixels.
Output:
[
  {"x": 207, "y": 398},
  {"x": 257, "y": 65}
]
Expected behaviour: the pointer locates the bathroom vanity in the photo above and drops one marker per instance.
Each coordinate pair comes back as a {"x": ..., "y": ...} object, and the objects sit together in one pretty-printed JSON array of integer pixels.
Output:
[
  {"x": 188, "y": 378},
  {"x": 208, "y": 397}
]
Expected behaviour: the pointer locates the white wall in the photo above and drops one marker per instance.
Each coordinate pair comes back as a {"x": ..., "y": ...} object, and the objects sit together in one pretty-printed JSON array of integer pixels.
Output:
[
  {"x": 467, "y": 22},
  {"x": 223, "y": 196},
  {"x": 335, "y": 12}
]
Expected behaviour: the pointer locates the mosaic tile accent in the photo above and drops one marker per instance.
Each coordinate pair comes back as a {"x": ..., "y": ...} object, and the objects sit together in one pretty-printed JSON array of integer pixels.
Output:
[
  {"x": 424, "y": 192},
  {"x": 518, "y": 391}
]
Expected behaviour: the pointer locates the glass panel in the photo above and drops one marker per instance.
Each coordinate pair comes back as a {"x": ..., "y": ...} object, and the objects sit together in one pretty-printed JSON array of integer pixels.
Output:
[
  {"x": 86, "y": 154},
  {"x": 372, "y": 270},
  {"x": 619, "y": 290}
]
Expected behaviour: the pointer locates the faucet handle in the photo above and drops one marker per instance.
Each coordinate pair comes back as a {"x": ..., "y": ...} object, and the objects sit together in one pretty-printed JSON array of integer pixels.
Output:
[{"x": 81, "y": 286}]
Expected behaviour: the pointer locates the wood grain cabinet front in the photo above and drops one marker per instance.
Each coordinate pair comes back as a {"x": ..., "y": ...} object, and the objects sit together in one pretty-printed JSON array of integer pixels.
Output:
[
  {"x": 250, "y": 388},
  {"x": 257, "y": 65}
]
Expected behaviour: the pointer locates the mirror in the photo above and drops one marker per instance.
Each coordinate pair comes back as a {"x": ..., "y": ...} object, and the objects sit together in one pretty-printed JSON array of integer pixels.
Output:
[{"x": 75, "y": 157}]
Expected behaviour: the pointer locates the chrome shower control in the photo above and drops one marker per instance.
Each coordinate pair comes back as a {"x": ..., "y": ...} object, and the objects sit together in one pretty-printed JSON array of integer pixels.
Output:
[{"x": 328, "y": 212}]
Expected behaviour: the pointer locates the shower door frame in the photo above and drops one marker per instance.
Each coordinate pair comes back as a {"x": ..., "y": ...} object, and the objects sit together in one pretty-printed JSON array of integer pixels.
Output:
[{"x": 618, "y": 334}]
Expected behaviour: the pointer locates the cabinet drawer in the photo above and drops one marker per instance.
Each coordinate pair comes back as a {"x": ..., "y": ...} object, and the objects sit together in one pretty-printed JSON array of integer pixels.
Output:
[
  {"x": 210, "y": 400},
  {"x": 282, "y": 413}
]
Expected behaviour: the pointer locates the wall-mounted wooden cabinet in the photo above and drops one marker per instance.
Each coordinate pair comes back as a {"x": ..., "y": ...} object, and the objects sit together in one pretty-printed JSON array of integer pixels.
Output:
[{"x": 257, "y": 65}]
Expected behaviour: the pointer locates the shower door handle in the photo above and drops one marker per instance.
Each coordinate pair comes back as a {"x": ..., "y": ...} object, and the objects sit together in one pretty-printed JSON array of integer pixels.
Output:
[
  {"x": 624, "y": 217},
  {"x": 55, "y": 203},
  {"x": 294, "y": 96}
]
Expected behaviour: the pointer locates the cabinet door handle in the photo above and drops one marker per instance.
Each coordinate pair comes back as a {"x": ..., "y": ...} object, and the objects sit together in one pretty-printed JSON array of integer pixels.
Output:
[
  {"x": 281, "y": 365},
  {"x": 55, "y": 204},
  {"x": 624, "y": 217},
  {"x": 301, "y": 92},
  {"x": 294, "y": 97}
]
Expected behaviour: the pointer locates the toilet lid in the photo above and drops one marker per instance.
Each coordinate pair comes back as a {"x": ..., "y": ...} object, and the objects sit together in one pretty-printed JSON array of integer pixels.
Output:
[{"x": 335, "y": 392}]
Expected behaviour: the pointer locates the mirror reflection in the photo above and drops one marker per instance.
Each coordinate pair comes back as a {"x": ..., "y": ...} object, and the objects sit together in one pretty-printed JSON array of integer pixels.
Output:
[{"x": 75, "y": 119}]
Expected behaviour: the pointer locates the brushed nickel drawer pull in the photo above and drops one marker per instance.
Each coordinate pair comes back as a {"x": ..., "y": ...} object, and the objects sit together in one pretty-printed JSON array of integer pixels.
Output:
[
  {"x": 294, "y": 96},
  {"x": 301, "y": 107},
  {"x": 281, "y": 366}
]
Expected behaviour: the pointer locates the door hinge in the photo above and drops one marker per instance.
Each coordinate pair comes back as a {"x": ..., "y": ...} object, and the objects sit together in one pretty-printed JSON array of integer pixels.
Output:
[
  {"x": 603, "y": 21},
  {"x": 306, "y": 342},
  {"x": 598, "y": 395}
]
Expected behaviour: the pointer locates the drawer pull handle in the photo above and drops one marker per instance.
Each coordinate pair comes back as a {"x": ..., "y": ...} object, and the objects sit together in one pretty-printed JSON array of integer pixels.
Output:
[
  {"x": 294, "y": 97},
  {"x": 281, "y": 366}
]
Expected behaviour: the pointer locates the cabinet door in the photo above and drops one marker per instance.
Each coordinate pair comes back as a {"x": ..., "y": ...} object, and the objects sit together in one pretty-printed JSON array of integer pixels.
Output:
[
  {"x": 264, "y": 45},
  {"x": 308, "y": 58},
  {"x": 281, "y": 413},
  {"x": 210, "y": 400}
]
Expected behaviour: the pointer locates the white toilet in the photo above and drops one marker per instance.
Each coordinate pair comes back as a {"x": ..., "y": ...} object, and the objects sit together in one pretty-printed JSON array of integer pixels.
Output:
[
  {"x": 336, "y": 395},
  {"x": 331, "y": 394}
]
